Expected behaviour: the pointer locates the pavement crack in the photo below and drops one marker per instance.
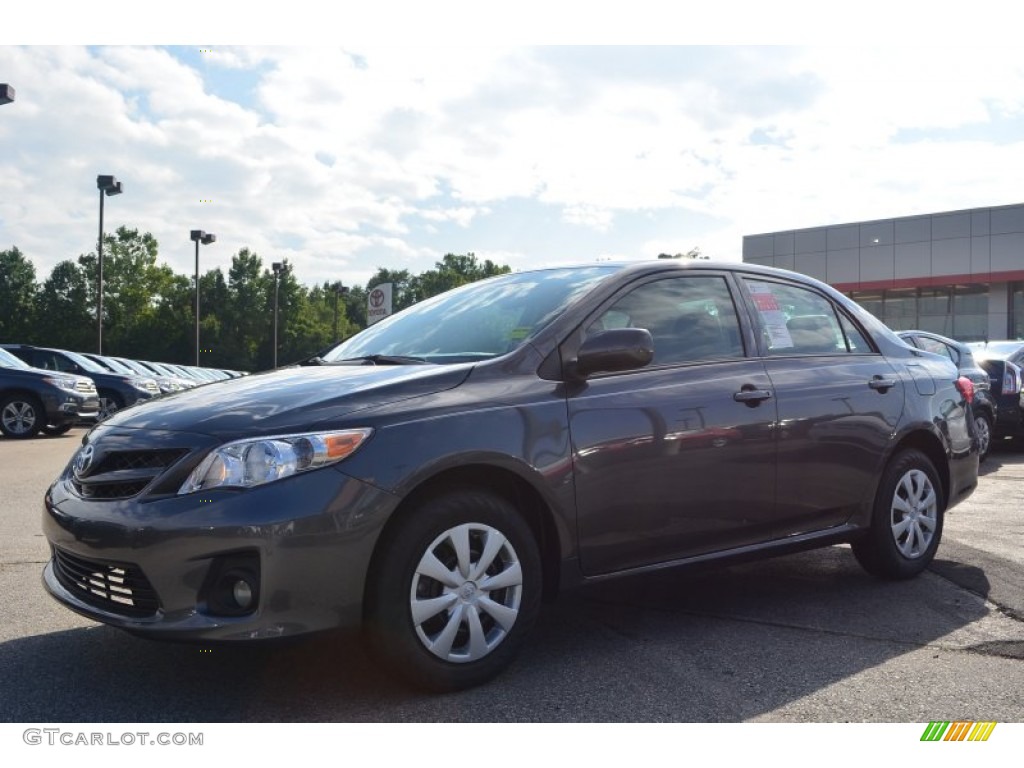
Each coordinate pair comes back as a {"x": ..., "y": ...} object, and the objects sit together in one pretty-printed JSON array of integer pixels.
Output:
[{"x": 1004, "y": 649}]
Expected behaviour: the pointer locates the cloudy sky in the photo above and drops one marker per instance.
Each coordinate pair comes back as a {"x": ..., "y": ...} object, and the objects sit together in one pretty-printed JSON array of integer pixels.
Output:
[{"x": 348, "y": 157}]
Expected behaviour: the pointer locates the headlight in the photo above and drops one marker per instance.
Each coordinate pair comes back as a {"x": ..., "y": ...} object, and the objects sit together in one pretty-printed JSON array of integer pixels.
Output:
[
  {"x": 248, "y": 463},
  {"x": 142, "y": 384},
  {"x": 60, "y": 381}
]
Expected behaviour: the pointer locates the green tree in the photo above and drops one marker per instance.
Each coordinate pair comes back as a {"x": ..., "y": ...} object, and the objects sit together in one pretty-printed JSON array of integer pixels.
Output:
[
  {"x": 131, "y": 282},
  {"x": 454, "y": 270},
  {"x": 17, "y": 296},
  {"x": 245, "y": 323},
  {"x": 61, "y": 309}
]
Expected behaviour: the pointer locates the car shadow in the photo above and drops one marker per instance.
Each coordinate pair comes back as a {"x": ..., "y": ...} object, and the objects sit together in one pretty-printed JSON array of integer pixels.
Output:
[{"x": 724, "y": 645}]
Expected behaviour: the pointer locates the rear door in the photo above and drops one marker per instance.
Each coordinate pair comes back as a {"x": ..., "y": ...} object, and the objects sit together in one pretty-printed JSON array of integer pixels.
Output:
[
  {"x": 675, "y": 459},
  {"x": 839, "y": 403}
]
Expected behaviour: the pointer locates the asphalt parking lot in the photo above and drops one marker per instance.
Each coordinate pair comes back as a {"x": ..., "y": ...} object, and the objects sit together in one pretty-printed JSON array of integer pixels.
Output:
[{"x": 805, "y": 638}]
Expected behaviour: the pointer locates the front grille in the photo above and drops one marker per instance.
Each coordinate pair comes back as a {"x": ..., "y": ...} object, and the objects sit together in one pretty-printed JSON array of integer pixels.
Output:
[
  {"x": 115, "y": 587},
  {"x": 123, "y": 474},
  {"x": 153, "y": 387},
  {"x": 85, "y": 387},
  {"x": 115, "y": 461}
]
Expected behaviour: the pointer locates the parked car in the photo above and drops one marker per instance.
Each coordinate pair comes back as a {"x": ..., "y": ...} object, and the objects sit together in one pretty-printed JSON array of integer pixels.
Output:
[
  {"x": 32, "y": 400},
  {"x": 448, "y": 467},
  {"x": 984, "y": 406},
  {"x": 166, "y": 384},
  {"x": 1003, "y": 360},
  {"x": 116, "y": 390}
]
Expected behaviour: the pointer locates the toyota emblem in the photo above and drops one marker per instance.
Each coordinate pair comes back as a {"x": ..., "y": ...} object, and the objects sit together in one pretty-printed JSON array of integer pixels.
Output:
[{"x": 83, "y": 461}]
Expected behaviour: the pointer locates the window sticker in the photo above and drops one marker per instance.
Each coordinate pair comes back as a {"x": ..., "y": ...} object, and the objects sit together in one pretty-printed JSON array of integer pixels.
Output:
[{"x": 772, "y": 316}]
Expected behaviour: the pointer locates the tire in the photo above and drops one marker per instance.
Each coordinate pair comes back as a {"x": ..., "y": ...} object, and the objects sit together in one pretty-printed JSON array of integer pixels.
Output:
[
  {"x": 906, "y": 523},
  {"x": 21, "y": 416},
  {"x": 110, "y": 403},
  {"x": 63, "y": 429},
  {"x": 983, "y": 425},
  {"x": 429, "y": 616}
]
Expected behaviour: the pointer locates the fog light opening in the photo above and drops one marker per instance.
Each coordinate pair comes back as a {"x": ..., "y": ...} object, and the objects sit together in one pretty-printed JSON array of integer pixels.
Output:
[
  {"x": 232, "y": 585},
  {"x": 242, "y": 592}
]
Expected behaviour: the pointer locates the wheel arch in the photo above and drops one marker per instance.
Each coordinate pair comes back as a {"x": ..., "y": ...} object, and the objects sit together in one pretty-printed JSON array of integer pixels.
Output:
[{"x": 490, "y": 478}]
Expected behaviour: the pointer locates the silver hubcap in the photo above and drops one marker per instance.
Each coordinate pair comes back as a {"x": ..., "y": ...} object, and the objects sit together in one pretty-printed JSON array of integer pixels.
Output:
[
  {"x": 914, "y": 514},
  {"x": 19, "y": 417},
  {"x": 466, "y": 592},
  {"x": 107, "y": 408},
  {"x": 984, "y": 434}
]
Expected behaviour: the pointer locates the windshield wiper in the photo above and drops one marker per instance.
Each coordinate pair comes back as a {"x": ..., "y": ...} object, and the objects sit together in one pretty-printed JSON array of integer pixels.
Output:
[{"x": 380, "y": 360}]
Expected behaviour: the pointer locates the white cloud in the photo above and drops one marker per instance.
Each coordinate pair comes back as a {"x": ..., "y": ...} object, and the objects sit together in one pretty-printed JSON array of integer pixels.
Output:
[{"x": 343, "y": 158}]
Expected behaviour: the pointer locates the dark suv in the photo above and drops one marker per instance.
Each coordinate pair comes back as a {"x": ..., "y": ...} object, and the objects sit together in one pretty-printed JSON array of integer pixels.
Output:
[
  {"x": 116, "y": 390},
  {"x": 441, "y": 472},
  {"x": 985, "y": 407},
  {"x": 32, "y": 400}
]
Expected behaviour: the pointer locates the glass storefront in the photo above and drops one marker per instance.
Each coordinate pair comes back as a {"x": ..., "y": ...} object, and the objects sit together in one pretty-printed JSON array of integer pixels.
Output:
[
  {"x": 957, "y": 311},
  {"x": 1017, "y": 310}
]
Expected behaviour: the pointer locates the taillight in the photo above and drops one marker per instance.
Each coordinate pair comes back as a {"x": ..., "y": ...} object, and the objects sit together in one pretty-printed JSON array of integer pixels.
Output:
[
  {"x": 1011, "y": 379},
  {"x": 966, "y": 387}
]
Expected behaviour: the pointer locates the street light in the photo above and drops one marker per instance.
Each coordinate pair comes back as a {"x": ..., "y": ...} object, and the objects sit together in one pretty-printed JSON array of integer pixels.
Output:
[
  {"x": 6, "y": 93},
  {"x": 279, "y": 269},
  {"x": 205, "y": 238},
  {"x": 339, "y": 291},
  {"x": 107, "y": 185}
]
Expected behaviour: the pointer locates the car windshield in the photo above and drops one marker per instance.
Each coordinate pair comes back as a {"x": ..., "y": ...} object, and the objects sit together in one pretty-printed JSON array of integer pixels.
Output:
[
  {"x": 115, "y": 366},
  {"x": 85, "y": 362},
  {"x": 998, "y": 350},
  {"x": 7, "y": 360},
  {"x": 474, "y": 322}
]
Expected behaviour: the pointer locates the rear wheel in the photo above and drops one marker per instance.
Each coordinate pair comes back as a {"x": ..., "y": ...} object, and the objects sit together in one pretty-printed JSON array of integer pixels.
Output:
[
  {"x": 454, "y": 592},
  {"x": 21, "y": 416},
  {"x": 906, "y": 524},
  {"x": 983, "y": 428}
]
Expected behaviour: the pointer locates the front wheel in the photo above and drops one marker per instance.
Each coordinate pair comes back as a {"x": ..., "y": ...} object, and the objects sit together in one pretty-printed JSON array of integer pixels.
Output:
[
  {"x": 53, "y": 431},
  {"x": 454, "y": 591},
  {"x": 21, "y": 416},
  {"x": 906, "y": 523},
  {"x": 109, "y": 405}
]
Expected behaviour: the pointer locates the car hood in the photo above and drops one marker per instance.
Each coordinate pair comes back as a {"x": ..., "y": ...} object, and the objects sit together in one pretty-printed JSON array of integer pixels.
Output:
[{"x": 287, "y": 400}]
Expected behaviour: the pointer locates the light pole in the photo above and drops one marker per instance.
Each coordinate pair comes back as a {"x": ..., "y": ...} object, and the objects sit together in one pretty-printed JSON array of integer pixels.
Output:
[
  {"x": 279, "y": 269},
  {"x": 339, "y": 291},
  {"x": 6, "y": 93},
  {"x": 205, "y": 238},
  {"x": 107, "y": 185}
]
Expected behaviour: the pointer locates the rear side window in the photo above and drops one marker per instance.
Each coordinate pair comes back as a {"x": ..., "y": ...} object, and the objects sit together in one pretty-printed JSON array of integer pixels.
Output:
[
  {"x": 691, "y": 318},
  {"x": 799, "y": 321},
  {"x": 932, "y": 345}
]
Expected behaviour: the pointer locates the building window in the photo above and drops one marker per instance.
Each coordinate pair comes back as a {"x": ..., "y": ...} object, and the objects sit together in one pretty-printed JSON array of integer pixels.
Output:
[
  {"x": 959, "y": 311},
  {"x": 1017, "y": 310}
]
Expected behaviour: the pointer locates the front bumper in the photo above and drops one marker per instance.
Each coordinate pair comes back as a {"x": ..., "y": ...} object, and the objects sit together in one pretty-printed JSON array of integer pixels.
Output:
[
  {"x": 65, "y": 407},
  {"x": 312, "y": 536}
]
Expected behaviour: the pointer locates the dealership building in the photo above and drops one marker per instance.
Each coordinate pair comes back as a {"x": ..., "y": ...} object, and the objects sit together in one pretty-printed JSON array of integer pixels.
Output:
[{"x": 959, "y": 273}]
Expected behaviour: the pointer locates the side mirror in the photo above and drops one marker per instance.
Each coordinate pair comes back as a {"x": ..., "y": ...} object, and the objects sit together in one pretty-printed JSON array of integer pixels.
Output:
[{"x": 620, "y": 349}]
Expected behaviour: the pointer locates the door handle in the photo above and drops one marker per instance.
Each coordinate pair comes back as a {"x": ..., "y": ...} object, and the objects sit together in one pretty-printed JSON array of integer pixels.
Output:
[
  {"x": 881, "y": 384},
  {"x": 752, "y": 397}
]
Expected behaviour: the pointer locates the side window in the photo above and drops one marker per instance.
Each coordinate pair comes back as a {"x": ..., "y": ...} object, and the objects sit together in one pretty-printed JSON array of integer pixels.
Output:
[
  {"x": 855, "y": 340},
  {"x": 690, "y": 318},
  {"x": 799, "y": 321},
  {"x": 931, "y": 345}
]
